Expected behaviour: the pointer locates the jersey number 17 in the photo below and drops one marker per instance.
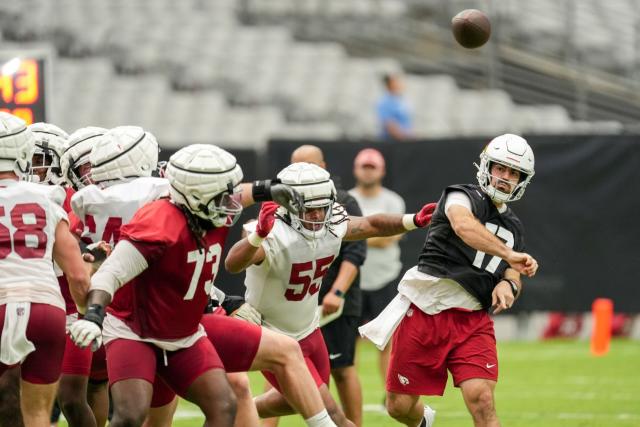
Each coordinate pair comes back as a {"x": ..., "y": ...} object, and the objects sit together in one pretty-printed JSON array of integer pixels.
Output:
[{"x": 502, "y": 233}]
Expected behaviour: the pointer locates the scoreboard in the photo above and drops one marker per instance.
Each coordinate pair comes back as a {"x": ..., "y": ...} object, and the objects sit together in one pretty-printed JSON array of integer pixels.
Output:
[{"x": 24, "y": 83}]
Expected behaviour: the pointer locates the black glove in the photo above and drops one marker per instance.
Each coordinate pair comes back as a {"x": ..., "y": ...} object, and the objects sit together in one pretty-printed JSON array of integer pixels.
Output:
[
  {"x": 212, "y": 304},
  {"x": 231, "y": 303},
  {"x": 282, "y": 194}
]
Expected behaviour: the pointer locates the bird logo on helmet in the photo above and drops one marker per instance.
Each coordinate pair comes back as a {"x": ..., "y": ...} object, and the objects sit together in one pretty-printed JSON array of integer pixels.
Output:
[
  {"x": 76, "y": 156},
  {"x": 512, "y": 151},
  {"x": 205, "y": 180},
  {"x": 50, "y": 142},
  {"x": 319, "y": 194},
  {"x": 17, "y": 145},
  {"x": 122, "y": 153}
]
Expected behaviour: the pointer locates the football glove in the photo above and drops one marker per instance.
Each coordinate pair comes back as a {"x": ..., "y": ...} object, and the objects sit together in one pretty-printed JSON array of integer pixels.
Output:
[
  {"x": 423, "y": 217},
  {"x": 88, "y": 331},
  {"x": 266, "y": 218}
]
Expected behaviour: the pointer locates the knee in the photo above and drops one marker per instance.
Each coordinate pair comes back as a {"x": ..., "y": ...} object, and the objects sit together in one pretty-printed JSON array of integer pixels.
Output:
[
  {"x": 481, "y": 403},
  {"x": 71, "y": 401},
  {"x": 227, "y": 407},
  {"x": 288, "y": 351},
  {"x": 240, "y": 385},
  {"x": 72, "y": 406},
  {"x": 340, "y": 375},
  {"x": 128, "y": 414},
  {"x": 125, "y": 419},
  {"x": 397, "y": 408}
]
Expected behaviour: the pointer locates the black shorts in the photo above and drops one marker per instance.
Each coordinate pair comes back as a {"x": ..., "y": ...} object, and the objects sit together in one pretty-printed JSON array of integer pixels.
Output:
[
  {"x": 373, "y": 302},
  {"x": 340, "y": 336}
]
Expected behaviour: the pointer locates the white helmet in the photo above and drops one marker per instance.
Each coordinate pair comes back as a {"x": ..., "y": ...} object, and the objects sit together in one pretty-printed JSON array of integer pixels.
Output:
[
  {"x": 77, "y": 153},
  {"x": 512, "y": 151},
  {"x": 17, "y": 145},
  {"x": 315, "y": 186},
  {"x": 123, "y": 152},
  {"x": 50, "y": 144},
  {"x": 204, "y": 179}
]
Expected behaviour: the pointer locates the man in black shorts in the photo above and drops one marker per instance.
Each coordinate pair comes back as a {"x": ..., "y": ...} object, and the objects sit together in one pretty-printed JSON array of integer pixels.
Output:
[{"x": 380, "y": 271}]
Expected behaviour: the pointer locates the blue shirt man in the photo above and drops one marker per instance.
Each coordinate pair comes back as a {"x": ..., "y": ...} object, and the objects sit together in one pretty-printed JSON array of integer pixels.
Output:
[{"x": 394, "y": 116}]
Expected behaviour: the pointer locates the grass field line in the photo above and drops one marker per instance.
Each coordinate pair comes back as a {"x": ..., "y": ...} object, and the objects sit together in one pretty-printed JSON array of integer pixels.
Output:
[
  {"x": 567, "y": 395},
  {"x": 185, "y": 414}
]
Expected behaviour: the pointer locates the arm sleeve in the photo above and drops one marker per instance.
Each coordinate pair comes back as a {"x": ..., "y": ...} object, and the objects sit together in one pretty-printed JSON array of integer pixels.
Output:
[
  {"x": 457, "y": 198},
  {"x": 125, "y": 263}
]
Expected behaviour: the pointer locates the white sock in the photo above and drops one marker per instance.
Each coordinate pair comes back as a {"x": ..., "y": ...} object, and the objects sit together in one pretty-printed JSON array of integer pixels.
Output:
[{"x": 321, "y": 419}]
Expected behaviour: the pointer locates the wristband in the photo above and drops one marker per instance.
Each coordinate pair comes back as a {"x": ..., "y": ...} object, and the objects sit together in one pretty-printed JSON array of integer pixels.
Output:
[
  {"x": 514, "y": 287},
  {"x": 339, "y": 293},
  {"x": 95, "y": 314},
  {"x": 255, "y": 240},
  {"x": 408, "y": 222}
]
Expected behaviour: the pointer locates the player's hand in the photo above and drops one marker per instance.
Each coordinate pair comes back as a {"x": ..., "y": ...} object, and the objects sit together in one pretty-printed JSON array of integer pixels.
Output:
[
  {"x": 286, "y": 196},
  {"x": 248, "y": 313},
  {"x": 423, "y": 217},
  {"x": 502, "y": 297},
  {"x": 523, "y": 263},
  {"x": 96, "y": 255},
  {"x": 331, "y": 303},
  {"x": 266, "y": 218},
  {"x": 84, "y": 333}
]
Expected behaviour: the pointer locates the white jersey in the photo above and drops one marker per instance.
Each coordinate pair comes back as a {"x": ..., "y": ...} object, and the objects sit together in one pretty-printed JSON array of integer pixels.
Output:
[
  {"x": 284, "y": 287},
  {"x": 29, "y": 215},
  {"x": 104, "y": 211}
]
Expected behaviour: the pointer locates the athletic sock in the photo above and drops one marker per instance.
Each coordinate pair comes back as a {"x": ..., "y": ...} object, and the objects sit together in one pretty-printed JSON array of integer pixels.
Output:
[{"x": 321, "y": 419}]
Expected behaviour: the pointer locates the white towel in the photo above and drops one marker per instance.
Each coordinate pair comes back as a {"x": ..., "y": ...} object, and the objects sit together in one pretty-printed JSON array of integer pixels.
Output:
[
  {"x": 14, "y": 346},
  {"x": 380, "y": 329}
]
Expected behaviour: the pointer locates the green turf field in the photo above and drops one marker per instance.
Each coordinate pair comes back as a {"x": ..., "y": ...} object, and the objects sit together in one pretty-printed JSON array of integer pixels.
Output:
[{"x": 541, "y": 384}]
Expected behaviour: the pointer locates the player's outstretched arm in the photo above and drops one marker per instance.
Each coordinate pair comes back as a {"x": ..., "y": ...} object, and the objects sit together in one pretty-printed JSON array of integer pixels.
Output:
[
  {"x": 66, "y": 253},
  {"x": 378, "y": 225},
  {"x": 476, "y": 235}
]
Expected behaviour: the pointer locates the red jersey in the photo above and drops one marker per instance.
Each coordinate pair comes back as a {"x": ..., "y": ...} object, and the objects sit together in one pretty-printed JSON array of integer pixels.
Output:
[{"x": 166, "y": 301}]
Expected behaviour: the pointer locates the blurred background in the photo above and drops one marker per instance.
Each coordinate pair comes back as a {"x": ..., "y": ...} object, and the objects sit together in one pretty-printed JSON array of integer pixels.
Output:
[{"x": 261, "y": 77}]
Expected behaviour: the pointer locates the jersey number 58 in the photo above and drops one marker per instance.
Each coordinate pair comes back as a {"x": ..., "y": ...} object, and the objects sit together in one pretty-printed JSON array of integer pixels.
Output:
[{"x": 29, "y": 219}]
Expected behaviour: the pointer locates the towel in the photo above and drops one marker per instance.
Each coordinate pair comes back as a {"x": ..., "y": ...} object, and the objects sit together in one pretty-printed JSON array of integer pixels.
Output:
[
  {"x": 380, "y": 330},
  {"x": 14, "y": 346}
]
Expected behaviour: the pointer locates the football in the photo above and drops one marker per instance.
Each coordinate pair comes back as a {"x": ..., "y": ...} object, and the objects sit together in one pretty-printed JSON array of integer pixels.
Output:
[{"x": 471, "y": 28}]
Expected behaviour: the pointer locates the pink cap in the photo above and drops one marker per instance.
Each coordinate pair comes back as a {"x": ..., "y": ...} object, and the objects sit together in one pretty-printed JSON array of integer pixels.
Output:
[{"x": 370, "y": 157}]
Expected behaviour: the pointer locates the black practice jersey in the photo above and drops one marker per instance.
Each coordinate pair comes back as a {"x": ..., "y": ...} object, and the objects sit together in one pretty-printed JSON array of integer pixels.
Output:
[{"x": 445, "y": 255}]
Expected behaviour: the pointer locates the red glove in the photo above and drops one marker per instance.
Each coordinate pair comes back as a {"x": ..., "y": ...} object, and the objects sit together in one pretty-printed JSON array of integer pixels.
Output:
[
  {"x": 266, "y": 218},
  {"x": 423, "y": 218}
]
